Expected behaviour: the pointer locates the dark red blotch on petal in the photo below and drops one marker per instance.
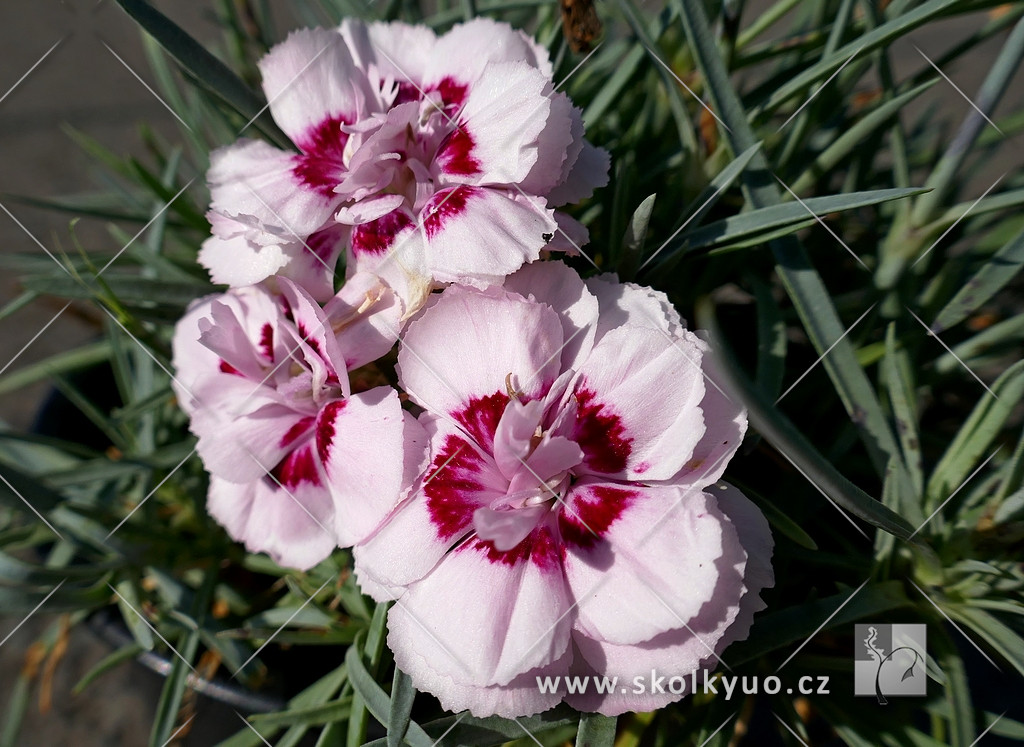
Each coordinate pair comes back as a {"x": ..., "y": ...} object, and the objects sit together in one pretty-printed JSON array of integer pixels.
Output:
[
  {"x": 452, "y": 92},
  {"x": 309, "y": 339},
  {"x": 586, "y": 517},
  {"x": 296, "y": 468},
  {"x": 539, "y": 547},
  {"x": 377, "y": 236},
  {"x": 480, "y": 418},
  {"x": 325, "y": 428},
  {"x": 600, "y": 433},
  {"x": 320, "y": 162},
  {"x": 314, "y": 344},
  {"x": 322, "y": 243},
  {"x": 267, "y": 341},
  {"x": 295, "y": 431},
  {"x": 449, "y": 485},
  {"x": 445, "y": 204},
  {"x": 407, "y": 92},
  {"x": 227, "y": 368},
  {"x": 455, "y": 154}
]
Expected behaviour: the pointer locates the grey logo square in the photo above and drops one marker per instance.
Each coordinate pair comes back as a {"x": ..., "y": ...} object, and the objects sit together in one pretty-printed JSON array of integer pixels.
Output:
[{"x": 889, "y": 660}]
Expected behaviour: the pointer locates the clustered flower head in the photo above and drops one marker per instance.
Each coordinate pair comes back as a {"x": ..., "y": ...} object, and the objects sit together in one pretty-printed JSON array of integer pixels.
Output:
[
  {"x": 543, "y": 498},
  {"x": 425, "y": 159}
]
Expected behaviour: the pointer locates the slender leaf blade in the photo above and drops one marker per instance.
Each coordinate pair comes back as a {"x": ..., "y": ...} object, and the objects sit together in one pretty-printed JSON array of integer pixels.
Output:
[
  {"x": 993, "y": 276},
  {"x": 206, "y": 68},
  {"x": 596, "y": 730}
]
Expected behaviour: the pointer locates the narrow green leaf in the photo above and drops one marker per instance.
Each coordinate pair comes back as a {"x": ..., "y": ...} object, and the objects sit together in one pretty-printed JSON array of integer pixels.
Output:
[
  {"x": 464, "y": 729},
  {"x": 999, "y": 270},
  {"x": 311, "y": 705},
  {"x": 166, "y": 720},
  {"x": 771, "y": 342},
  {"x": 636, "y": 231},
  {"x": 167, "y": 85},
  {"x": 884, "y": 541},
  {"x": 104, "y": 205},
  {"x": 246, "y": 737},
  {"x": 614, "y": 86},
  {"x": 1003, "y": 726},
  {"x": 1003, "y": 639},
  {"x": 130, "y": 605},
  {"x": 596, "y": 730},
  {"x": 780, "y": 432},
  {"x": 23, "y": 492},
  {"x": 854, "y": 137},
  {"x": 66, "y": 598},
  {"x": 993, "y": 341},
  {"x": 763, "y": 220},
  {"x": 324, "y": 713},
  {"x": 874, "y": 39},
  {"x": 291, "y": 615},
  {"x": 402, "y": 696},
  {"x": 944, "y": 175},
  {"x": 17, "y": 304},
  {"x": 777, "y": 517},
  {"x": 130, "y": 290},
  {"x": 66, "y": 362},
  {"x": 774, "y": 630},
  {"x": 17, "y": 705},
  {"x": 957, "y": 690},
  {"x": 759, "y": 240},
  {"x": 1008, "y": 200},
  {"x": 377, "y": 635},
  {"x": 804, "y": 120},
  {"x": 765, "y": 20},
  {"x": 120, "y": 437},
  {"x": 677, "y": 104},
  {"x": 975, "y": 437},
  {"x": 1011, "y": 486},
  {"x": 803, "y": 284},
  {"x": 97, "y": 151},
  {"x": 374, "y": 646},
  {"x": 108, "y": 662},
  {"x": 207, "y": 69},
  {"x": 897, "y": 375},
  {"x": 333, "y": 735},
  {"x": 874, "y": 16},
  {"x": 15, "y": 571},
  {"x": 376, "y": 700},
  {"x": 705, "y": 201}
]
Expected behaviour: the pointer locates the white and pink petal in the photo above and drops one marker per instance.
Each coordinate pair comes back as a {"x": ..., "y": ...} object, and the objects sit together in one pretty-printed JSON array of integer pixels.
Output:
[
  {"x": 368, "y": 447},
  {"x": 725, "y": 421},
  {"x": 310, "y": 79},
  {"x": 479, "y": 235},
  {"x": 449, "y": 364},
  {"x": 560, "y": 287},
  {"x": 269, "y": 190},
  {"x": 496, "y": 139},
  {"x": 520, "y": 621},
  {"x": 291, "y": 524},
  {"x": 519, "y": 697},
  {"x": 242, "y": 446},
  {"x": 744, "y": 572},
  {"x": 437, "y": 514},
  {"x": 624, "y": 431},
  {"x": 465, "y": 52},
  {"x": 366, "y": 318},
  {"x": 589, "y": 171},
  {"x": 640, "y": 560}
]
